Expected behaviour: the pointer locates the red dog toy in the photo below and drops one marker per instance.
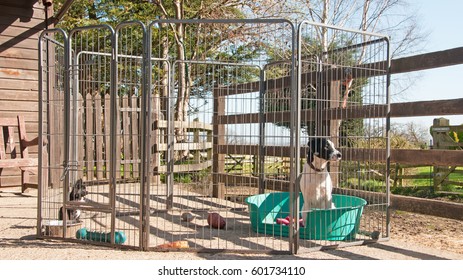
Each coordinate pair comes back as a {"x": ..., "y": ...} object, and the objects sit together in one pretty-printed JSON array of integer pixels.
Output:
[{"x": 285, "y": 221}]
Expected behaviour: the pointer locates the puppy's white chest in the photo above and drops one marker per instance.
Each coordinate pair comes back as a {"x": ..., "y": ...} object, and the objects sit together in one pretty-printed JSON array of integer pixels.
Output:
[
  {"x": 75, "y": 214},
  {"x": 316, "y": 188},
  {"x": 315, "y": 179}
]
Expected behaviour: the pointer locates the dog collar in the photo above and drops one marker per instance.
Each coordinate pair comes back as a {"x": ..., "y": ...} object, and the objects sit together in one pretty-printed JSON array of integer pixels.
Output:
[{"x": 315, "y": 168}]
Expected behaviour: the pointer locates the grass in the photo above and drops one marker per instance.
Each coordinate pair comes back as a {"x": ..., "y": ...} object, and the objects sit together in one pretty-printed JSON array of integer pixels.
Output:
[
  {"x": 424, "y": 187},
  {"x": 428, "y": 171},
  {"x": 364, "y": 185},
  {"x": 422, "y": 171}
]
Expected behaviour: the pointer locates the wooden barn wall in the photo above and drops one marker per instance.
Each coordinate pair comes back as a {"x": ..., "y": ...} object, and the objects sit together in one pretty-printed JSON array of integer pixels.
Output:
[{"x": 21, "y": 22}]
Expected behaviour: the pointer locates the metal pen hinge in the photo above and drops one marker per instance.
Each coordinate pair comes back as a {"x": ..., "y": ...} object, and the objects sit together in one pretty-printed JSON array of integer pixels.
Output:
[{"x": 72, "y": 165}]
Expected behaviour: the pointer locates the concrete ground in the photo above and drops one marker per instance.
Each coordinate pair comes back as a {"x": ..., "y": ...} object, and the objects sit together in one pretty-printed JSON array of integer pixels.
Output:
[{"x": 18, "y": 228}]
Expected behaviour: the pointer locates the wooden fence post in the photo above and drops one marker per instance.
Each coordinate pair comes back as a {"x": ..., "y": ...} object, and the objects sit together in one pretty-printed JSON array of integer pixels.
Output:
[
  {"x": 442, "y": 140},
  {"x": 157, "y": 137},
  {"x": 218, "y": 139},
  {"x": 117, "y": 118},
  {"x": 89, "y": 136},
  {"x": 107, "y": 125},
  {"x": 136, "y": 137},
  {"x": 196, "y": 153},
  {"x": 334, "y": 128},
  {"x": 98, "y": 137},
  {"x": 125, "y": 136}
]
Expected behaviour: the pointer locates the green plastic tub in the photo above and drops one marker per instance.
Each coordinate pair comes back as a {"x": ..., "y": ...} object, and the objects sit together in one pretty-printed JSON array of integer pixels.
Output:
[{"x": 341, "y": 223}]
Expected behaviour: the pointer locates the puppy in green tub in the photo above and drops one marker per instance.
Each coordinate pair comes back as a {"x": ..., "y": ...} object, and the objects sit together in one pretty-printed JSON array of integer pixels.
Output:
[{"x": 315, "y": 181}]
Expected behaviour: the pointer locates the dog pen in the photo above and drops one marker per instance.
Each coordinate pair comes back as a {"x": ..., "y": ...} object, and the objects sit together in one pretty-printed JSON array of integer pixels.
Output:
[{"x": 191, "y": 134}]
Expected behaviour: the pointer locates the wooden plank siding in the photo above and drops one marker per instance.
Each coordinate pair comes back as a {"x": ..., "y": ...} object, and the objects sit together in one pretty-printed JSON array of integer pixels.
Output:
[
  {"x": 21, "y": 22},
  {"x": 24, "y": 13}
]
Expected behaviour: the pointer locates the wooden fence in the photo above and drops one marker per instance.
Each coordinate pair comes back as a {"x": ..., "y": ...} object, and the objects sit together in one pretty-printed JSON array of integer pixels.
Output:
[
  {"x": 94, "y": 110},
  {"x": 404, "y": 175},
  {"x": 94, "y": 140},
  {"x": 397, "y": 110}
]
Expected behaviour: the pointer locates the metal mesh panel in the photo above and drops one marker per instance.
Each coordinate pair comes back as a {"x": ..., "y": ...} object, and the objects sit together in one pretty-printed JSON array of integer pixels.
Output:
[
  {"x": 168, "y": 130},
  {"x": 344, "y": 98},
  {"x": 215, "y": 163},
  {"x": 90, "y": 117},
  {"x": 53, "y": 90},
  {"x": 129, "y": 131}
]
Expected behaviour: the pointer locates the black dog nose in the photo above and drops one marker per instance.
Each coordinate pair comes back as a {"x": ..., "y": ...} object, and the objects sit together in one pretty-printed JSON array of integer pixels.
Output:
[{"x": 338, "y": 155}]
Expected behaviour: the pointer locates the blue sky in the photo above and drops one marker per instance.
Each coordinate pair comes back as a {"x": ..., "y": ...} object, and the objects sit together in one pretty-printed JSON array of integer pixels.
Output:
[{"x": 443, "y": 21}]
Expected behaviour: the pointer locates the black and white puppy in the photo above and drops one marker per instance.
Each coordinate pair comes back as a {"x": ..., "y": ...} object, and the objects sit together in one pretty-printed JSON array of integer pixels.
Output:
[
  {"x": 315, "y": 181},
  {"x": 78, "y": 192}
]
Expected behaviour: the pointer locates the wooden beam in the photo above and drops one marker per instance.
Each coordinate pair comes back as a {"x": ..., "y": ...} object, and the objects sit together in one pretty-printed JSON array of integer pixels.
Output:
[
  {"x": 238, "y": 119},
  {"x": 194, "y": 125},
  {"x": 277, "y": 151},
  {"x": 18, "y": 163},
  {"x": 60, "y": 14},
  {"x": 183, "y": 168},
  {"x": 420, "y": 62},
  {"x": 365, "y": 155},
  {"x": 432, "y": 207},
  {"x": 398, "y": 110},
  {"x": 427, "y": 108},
  {"x": 427, "y": 61},
  {"x": 218, "y": 139},
  {"x": 406, "y": 156},
  {"x": 333, "y": 74},
  {"x": 428, "y": 157},
  {"x": 184, "y": 146},
  {"x": 402, "y": 156}
]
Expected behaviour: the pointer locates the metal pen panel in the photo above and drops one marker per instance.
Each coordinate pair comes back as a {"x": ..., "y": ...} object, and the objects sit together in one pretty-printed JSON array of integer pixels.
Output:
[
  {"x": 334, "y": 82},
  {"x": 211, "y": 159},
  {"x": 131, "y": 91},
  {"x": 93, "y": 107},
  {"x": 53, "y": 89}
]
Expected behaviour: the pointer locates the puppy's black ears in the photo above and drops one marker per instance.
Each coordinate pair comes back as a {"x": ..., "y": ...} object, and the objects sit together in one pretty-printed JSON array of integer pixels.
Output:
[
  {"x": 309, "y": 152},
  {"x": 309, "y": 156}
]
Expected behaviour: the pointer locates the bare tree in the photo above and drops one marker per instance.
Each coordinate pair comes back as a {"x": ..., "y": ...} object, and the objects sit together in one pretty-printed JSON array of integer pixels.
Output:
[
  {"x": 391, "y": 17},
  {"x": 186, "y": 45},
  {"x": 414, "y": 134}
]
